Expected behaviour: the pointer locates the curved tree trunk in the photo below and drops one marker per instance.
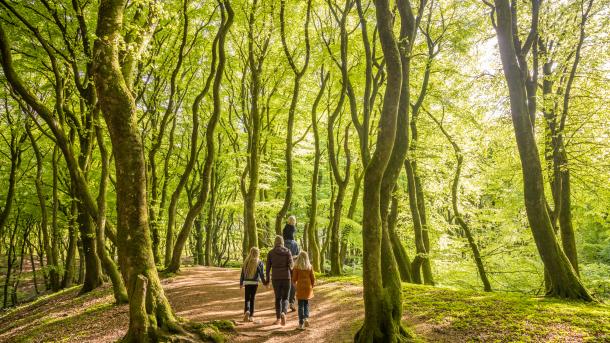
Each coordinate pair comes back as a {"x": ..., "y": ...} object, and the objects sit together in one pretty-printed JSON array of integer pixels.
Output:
[
  {"x": 565, "y": 282},
  {"x": 48, "y": 241},
  {"x": 381, "y": 279},
  {"x": 206, "y": 175},
  {"x": 456, "y": 210},
  {"x": 255, "y": 64}
]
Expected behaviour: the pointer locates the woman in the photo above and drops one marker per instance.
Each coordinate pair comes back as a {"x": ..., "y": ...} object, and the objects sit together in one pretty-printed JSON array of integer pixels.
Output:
[
  {"x": 279, "y": 259},
  {"x": 251, "y": 275}
]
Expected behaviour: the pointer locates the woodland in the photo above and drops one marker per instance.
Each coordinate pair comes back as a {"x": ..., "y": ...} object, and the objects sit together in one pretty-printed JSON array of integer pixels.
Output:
[{"x": 456, "y": 144}]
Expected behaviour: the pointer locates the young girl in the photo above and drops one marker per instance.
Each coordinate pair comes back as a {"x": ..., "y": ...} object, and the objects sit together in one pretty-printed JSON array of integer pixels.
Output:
[
  {"x": 252, "y": 273},
  {"x": 303, "y": 277}
]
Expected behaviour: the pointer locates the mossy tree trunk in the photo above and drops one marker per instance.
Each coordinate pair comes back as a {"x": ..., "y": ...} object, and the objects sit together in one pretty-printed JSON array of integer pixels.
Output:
[
  {"x": 564, "y": 281},
  {"x": 381, "y": 278},
  {"x": 150, "y": 314}
]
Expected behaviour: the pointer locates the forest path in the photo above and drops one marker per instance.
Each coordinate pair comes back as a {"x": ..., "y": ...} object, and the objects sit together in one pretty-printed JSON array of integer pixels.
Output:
[
  {"x": 199, "y": 294},
  {"x": 204, "y": 294}
]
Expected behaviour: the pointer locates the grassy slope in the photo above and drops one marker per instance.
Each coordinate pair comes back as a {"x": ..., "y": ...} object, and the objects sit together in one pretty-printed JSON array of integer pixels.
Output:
[
  {"x": 503, "y": 317},
  {"x": 447, "y": 315}
]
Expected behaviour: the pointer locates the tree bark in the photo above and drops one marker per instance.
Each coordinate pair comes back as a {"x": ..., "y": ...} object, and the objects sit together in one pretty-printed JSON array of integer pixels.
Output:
[
  {"x": 255, "y": 65},
  {"x": 459, "y": 158},
  {"x": 314, "y": 247},
  {"x": 381, "y": 279},
  {"x": 206, "y": 177},
  {"x": 564, "y": 280},
  {"x": 150, "y": 314},
  {"x": 298, "y": 74},
  {"x": 48, "y": 241},
  {"x": 118, "y": 287}
]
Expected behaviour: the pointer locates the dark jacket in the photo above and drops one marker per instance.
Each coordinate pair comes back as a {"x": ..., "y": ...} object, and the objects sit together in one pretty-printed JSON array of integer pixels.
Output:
[
  {"x": 259, "y": 276},
  {"x": 288, "y": 232},
  {"x": 293, "y": 246},
  {"x": 280, "y": 260}
]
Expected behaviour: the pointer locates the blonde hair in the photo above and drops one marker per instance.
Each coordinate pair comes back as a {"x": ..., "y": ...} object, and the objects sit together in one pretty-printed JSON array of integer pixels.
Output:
[
  {"x": 279, "y": 241},
  {"x": 292, "y": 220},
  {"x": 302, "y": 262},
  {"x": 251, "y": 263}
]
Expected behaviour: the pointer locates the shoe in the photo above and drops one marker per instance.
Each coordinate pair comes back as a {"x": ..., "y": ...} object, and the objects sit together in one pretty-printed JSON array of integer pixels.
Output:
[
  {"x": 292, "y": 308},
  {"x": 276, "y": 322},
  {"x": 250, "y": 319},
  {"x": 301, "y": 326},
  {"x": 283, "y": 319},
  {"x": 246, "y": 316},
  {"x": 306, "y": 323}
]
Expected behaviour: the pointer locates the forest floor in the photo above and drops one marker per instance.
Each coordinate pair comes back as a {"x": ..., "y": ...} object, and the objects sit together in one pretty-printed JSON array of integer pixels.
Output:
[{"x": 202, "y": 294}]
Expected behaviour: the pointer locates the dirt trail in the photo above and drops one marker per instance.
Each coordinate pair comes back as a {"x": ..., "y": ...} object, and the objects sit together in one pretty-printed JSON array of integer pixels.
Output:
[
  {"x": 199, "y": 294},
  {"x": 204, "y": 294}
]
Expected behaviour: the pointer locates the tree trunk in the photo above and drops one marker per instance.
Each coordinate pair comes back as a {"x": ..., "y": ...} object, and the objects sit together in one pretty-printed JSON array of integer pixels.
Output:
[
  {"x": 93, "y": 266},
  {"x": 381, "y": 279},
  {"x": 298, "y": 74},
  {"x": 456, "y": 210},
  {"x": 150, "y": 314},
  {"x": 206, "y": 177},
  {"x": 118, "y": 287},
  {"x": 564, "y": 280},
  {"x": 314, "y": 247},
  {"x": 69, "y": 265},
  {"x": 255, "y": 65},
  {"x": 44, "y": 222}
]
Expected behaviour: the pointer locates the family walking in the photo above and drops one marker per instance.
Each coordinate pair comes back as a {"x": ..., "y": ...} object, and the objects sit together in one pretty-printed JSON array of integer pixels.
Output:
[{"x": 289, "y": 271}]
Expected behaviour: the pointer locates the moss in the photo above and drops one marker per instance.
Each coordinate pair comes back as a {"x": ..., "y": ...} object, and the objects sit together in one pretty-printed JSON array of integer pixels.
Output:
[{"x": 216, "y": 331}]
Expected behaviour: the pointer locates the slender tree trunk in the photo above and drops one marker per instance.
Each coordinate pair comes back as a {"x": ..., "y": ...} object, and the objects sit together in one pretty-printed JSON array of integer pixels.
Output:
[
  {"x": 206, "y": 177},
  {"x": 93, "y": 266},
  {"x": 255, "y": 65},
  {"x": 118, "y": 287},
  {"x": 192, "y": 158},
  {"x": 34, "y": 278},
  {"x": 55, "y": 233},
  {"x": 52, "y": 265},
  {"x": 314, "y": 247},
  {"x": 69, "y": 265},
  {"x": 298, "y": 74},
  {"x": 456, "y": 210},
  {"x": 10, "y": 260}
]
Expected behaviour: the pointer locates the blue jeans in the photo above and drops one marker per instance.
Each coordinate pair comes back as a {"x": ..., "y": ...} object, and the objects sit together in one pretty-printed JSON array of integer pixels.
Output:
[{"x": 303, "y": 310}]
